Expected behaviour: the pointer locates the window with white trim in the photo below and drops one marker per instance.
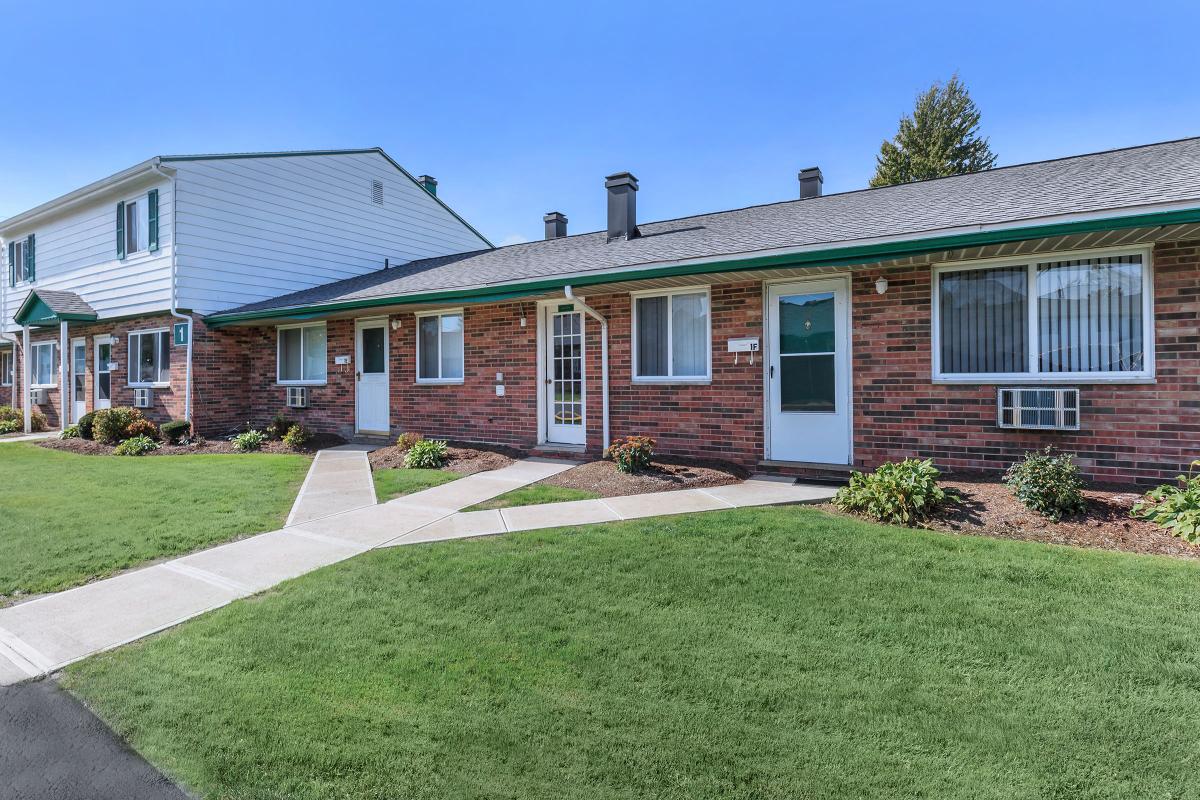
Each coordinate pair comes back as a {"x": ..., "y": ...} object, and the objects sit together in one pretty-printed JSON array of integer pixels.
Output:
[
  {"x": 302, "y": 354},
  {"x": 20, "y": 261},
  {"x": 41, "y": 364},
  {"x": 6, "y": 367},
  {"x": 1068, "y": 317},
  {"x": 672, "y": 335},
  {"x": 150, "y": 358},
  {"x": 440, "y": 347}
]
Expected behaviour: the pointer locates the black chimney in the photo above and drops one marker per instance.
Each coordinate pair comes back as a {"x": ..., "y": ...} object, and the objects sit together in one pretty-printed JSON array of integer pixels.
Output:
[
  {"x": 556, "y": 225},
  {"x": 810, "y": 183},
  {"x": 429, "y": 182},
  {"x": 622, "y": 206}
]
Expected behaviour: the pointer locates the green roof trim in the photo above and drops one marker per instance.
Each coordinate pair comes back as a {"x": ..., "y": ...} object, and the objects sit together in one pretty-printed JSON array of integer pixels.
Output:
[
  {"x": 830, "y": 257},
  {"x": 34, "y": 311}
]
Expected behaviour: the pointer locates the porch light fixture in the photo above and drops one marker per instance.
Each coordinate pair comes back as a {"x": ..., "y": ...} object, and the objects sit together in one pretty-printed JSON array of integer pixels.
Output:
[{"x": 881, "y": 285}]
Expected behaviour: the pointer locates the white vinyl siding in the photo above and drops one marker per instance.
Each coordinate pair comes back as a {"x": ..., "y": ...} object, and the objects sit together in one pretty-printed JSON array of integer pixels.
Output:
[
  {"x": 440, "y": 347},
  {"x": 1073, "y": 316},
  {"x": 43, "y": 372},
  {"x": 150, "y": 358},
  {"x": 6, "y": 367},
  {"x": 672, "y": 336},
  {"x": 301, "y": 355},
  {"x": 251, "y": 229}
]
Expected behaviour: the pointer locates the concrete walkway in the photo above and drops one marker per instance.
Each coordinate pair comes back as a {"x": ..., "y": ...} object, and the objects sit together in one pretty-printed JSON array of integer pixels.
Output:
[
  {"x": 29, "y": 437},
  {"x": 46, "y": 634},
  {"x": 757, "y": 491}
]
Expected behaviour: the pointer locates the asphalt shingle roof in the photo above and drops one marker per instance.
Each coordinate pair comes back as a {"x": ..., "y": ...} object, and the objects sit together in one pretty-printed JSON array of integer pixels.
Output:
[
  {"x": 1116, "y": 179},
  {"x": 64, "y": 302}
]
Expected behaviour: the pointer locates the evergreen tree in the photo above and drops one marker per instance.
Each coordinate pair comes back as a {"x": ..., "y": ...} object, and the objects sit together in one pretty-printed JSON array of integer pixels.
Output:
[{"x": 940, "y": 138}]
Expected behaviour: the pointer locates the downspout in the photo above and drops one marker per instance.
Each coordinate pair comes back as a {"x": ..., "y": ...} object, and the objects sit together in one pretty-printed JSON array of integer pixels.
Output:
[
  {"x": 591, "y": 312},
  {"x": 174, "y": 178},
  {"x": 5, "y": 335}
]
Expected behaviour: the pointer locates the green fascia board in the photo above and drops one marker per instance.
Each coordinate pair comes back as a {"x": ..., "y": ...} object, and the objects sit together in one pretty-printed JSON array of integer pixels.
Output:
[
  {"x": 352, "y": 152},
  {"x": 831, "y": 257}
]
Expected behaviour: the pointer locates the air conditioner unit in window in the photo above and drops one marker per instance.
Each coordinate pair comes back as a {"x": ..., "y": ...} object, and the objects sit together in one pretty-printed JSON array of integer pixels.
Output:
[
  {"x": 143, "y": 398},
  {"x": 297, "y": 397},
  {"x": 1055, "y": 409},
  {"x": 39, "y": 397}
]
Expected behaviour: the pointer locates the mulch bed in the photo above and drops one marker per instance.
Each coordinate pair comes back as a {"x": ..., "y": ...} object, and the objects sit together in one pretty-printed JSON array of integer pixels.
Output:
[
  {"x": 199, "y": 447},
  {"x": 463, "y": 458},
  {"x": 664, "y": 475},
  {"x": 989, "y": 508}
]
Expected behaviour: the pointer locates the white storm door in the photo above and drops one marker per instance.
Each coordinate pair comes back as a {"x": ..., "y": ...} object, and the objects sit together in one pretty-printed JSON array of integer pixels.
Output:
[
  {"x": 78, "y": 379},
  {"x": 102, "y": 373},
  {"x": 808, "y": 375},
  {"x": 371, "y": 376},
  {"x": 564, "y": 385}
]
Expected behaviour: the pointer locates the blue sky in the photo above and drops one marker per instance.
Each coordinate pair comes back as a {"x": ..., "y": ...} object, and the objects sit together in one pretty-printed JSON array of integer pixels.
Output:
[{"x": 519, "y": 108}]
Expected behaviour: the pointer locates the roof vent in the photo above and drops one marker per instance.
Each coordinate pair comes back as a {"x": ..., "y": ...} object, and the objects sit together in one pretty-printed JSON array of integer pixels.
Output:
[
  {"x": 810, "y": 183},
  {"x": 556, "y": 225},
  {"x": 622, "y": 206},
  {"x": 429, "y": 182},
  {"x": 377, "y": 192}
]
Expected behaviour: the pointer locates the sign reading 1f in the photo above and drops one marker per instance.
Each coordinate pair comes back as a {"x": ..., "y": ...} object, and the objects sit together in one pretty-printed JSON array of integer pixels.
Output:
[{"x": 181, "y": 333}]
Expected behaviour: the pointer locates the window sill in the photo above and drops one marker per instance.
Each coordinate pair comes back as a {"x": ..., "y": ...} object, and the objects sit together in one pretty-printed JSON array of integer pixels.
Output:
[
  {"x": 672, "y": 381},
  {"x": 440, "y": 382},
  {"x": 301, "y": 383},
  {"x": 148, "y": 385},
  {"x": 1081, "y": 379},
  {"x": 43, "y": 386}
]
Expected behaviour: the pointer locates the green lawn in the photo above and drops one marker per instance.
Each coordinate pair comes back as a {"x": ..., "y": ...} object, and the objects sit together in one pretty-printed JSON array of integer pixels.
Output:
[
  {"x": 392, "y": 483},
  {"x": 534, "y": 495},
  {"x": 69, "y": 518},
  {"x": 768, "y": 653}
]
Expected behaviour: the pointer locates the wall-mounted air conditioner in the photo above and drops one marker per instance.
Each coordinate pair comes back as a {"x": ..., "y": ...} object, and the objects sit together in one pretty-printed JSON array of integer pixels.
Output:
[
  {"x": 143, "y": 398},
  {"x": 297, "y": 397},
  {"x": 39, "y": 397},
  {"x": 1055, "y": 409}
]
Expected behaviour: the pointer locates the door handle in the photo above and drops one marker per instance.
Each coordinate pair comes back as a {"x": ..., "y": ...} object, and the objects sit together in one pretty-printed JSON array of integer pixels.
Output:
[
  {"x": 358, "y": 375},
  {"x": 772, "y": 371},
  {"x": 549, "y": 381}
]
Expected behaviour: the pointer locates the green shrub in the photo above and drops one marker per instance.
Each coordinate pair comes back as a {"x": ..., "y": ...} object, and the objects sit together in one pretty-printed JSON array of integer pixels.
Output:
[
  {"x": 426, "y": 454},
  {"x": 10, "y": 414},
  {"x": 1176, "y": 508},
  {"x": 10, "y": 426},
  {"x": 406, "y": 440},
  {"x": 901, "y": 492},
  {"x": 136, "y": 446},
  {"x": 1048, "y": 484},
  {"x": 631, "y": 454},
  {"x": 112, "y": 425},
  {"x": 70, "y": 432},
  {"x": 249, "y": 441},
  {"x": 143, "y": 427},
  {"x": 279, "y": 426},
  {"x": 176, "y": 430},
  {"x": 12, "y": 420},
  {"x": 85, "y": 425},
  {"x": 296, "y": 437}
]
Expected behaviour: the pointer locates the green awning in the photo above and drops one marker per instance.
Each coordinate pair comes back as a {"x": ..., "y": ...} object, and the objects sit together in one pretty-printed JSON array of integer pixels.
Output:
[{"x": 50, "y": 307}]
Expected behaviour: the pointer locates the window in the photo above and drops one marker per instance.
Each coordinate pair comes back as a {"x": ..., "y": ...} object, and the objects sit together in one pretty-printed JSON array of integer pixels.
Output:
[
  {"x": 21, "y": 261},
  {"x": 301, "y": 356},
  {"x": 440, "y": 347},
  {"x": 1073, "y": 316},
  {"x": 137, "y": 225},
  {"x": 6, "y": 368},
  {"x": 150, "y": 358},
  {"x": 672, "y": 336},
  {"x": 42, "y": 364}
]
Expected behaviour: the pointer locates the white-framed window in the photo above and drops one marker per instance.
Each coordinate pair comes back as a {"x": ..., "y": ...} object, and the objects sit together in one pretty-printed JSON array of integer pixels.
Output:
[
  {"x": 20, "y": 261},
  {"x": 302, "y": 353},
  {"x": 672, "y": 335},
  {"x": 137, "y": 224},
  {"x": 1062, "y": 317},
  {"x": 440, "y": 347},
  {"x": 6, "y": 367},
  {"x": 150, "y": 358},
  {"x": 43, "y": 374}
]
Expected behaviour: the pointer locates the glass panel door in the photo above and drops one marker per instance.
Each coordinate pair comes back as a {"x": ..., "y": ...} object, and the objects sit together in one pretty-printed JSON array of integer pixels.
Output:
[
  {"x": 78, "y": 378},
  {"x": 564, "y": 377},
  {"x": 807, "y": 352},
  {"x": 103, "y": 374}
]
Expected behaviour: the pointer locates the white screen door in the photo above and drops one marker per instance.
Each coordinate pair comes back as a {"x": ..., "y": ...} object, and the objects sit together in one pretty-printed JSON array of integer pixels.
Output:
[
  {"x": 103, "y": 375},
  {"x": 564, "y": 401},
  {"x": 808, "y": 375},
  {"x": 78, "y": 378},
  {"x": 371, "y": 372}
]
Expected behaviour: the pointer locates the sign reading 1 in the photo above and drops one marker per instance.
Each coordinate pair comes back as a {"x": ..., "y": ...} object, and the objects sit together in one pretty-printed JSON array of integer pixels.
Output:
[{"x": 181, "y": 330}]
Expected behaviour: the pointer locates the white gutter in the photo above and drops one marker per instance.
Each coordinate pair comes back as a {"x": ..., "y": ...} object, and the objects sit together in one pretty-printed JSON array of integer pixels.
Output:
[
  {"x": 80, "y": 195},
  {"x": 174, "y": 178},
  {"x": 591, "y": 312}
]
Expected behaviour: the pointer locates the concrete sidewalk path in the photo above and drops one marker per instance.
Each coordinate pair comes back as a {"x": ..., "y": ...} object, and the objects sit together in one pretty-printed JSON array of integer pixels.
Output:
[
  {"x": 758, "y": 491},
  {"x": 46, "y": 634}
]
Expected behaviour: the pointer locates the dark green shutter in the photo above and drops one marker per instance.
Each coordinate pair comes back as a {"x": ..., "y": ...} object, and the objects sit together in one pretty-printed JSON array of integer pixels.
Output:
[
  {"x": 152, "y": 211},
  {"x": 121, "y": 229},
  {"x": 30, "y": 260},
  {"x": 12, "y": 263}
]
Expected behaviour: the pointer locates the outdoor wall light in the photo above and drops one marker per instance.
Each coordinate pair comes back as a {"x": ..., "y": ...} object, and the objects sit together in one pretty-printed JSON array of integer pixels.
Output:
[{"x": 881, "y": 286}]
